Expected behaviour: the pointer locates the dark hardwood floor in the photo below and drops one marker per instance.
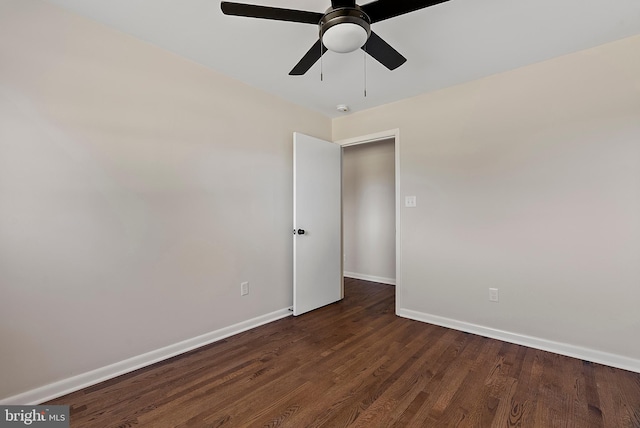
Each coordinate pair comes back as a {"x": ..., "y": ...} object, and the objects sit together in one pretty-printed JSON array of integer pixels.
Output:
[{"x": 356, "y": 364}]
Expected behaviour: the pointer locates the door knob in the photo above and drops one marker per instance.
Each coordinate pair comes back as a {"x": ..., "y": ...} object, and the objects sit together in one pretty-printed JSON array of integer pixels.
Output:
[{"x": 301, "y": 232}]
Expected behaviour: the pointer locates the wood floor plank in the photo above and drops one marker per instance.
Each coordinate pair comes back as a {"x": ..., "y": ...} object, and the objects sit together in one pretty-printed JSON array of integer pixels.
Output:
[{"x": 356, "y": 364}]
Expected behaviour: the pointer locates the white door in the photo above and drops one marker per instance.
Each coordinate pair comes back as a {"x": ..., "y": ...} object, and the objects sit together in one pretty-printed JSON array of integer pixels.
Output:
[{"x": 317, "y": 222}]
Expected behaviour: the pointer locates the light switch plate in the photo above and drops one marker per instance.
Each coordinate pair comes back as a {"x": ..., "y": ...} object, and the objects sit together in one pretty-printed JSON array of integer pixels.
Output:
[{"x": 410, "y": 201}]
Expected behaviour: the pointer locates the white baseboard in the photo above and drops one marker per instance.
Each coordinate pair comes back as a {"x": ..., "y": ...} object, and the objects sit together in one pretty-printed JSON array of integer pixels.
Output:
[
  {"x": 75, "y": 383},
  {"x": 390, "y": 281},
  {"x": 574, "y": 351}
]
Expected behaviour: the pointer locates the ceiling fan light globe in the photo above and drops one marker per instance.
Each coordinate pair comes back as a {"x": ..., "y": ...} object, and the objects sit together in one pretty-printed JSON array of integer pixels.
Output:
[{"x": 345, "y": 37}]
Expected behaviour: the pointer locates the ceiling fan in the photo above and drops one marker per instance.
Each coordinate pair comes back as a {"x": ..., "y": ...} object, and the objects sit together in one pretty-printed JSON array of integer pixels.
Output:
[{"x": 344, "y": 27}]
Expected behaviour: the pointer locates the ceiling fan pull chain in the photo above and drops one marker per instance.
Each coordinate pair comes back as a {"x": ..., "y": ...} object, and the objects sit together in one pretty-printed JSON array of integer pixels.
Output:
[
  {"x": 365, "y": 70},
  {"x": 321, "y": 68}
]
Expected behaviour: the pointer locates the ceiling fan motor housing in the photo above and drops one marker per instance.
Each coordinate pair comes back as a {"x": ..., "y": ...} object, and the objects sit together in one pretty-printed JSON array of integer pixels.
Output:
[{"x": 345, "y": 29}]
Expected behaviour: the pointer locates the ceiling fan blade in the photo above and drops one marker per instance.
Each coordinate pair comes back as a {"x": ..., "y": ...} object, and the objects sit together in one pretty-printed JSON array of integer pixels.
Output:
[
  {"x": 383, "y": 52},
  {"x": 384, "y": 9},
  {"x": 342, "y": 3},
  {"x": 310, "y": 58},
  {"x": 265, "y": 12}
]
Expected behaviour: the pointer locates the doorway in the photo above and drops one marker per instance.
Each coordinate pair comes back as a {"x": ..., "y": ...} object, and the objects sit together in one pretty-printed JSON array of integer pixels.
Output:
[{"x": 371, "y": 208}]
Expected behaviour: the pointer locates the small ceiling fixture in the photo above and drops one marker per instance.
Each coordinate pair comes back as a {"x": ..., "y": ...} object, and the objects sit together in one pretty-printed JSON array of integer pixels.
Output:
[{"x": 342, "y": 108}]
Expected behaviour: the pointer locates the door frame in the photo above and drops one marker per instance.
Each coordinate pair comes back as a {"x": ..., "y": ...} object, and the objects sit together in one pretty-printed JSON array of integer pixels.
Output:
[{"x": 372, "y": 138}]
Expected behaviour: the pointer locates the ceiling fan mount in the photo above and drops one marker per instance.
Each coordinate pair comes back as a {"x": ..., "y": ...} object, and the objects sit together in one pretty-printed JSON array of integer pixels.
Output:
[{"x": 344, "y": 27}]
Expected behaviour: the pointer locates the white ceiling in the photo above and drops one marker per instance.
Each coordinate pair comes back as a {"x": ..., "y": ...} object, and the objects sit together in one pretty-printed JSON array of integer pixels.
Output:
[{"x": 447, "y": 44}]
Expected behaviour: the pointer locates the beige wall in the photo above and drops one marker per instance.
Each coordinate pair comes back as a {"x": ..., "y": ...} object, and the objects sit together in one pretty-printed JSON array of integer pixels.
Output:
[
  {"x": 529, "y": 182},
  {"x": 368, "y": 208},
  {"x": 137, "y": 190}
]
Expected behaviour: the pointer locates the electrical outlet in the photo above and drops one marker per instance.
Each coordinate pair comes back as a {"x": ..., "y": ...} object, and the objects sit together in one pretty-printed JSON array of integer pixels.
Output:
[
  {"x": 244, "y": 288},
  {"x": 410, "y": 201},
  {"x": 493, "y": 294}
]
